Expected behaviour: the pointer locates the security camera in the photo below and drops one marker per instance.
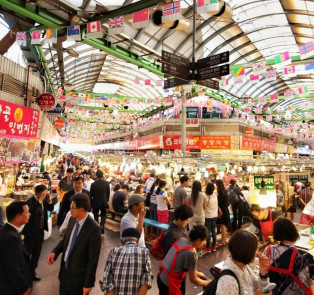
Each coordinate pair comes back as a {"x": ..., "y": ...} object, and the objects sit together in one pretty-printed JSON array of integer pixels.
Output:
[{"x": 125, "y": 107}]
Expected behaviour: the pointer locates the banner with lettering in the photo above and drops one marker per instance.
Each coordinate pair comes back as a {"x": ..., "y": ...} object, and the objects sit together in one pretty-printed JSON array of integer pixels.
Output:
[
  {"x": 249, "y": 143},
  {"x": 216, "y": 142},
  {"x": 18, "y": 121},
  {"x": 173, "y": 142}
]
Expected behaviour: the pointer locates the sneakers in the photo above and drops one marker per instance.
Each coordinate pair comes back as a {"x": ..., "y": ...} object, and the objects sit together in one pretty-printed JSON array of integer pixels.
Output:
[
  {"x": 213, "y": 249},
  {"x": 207, "y": 249}
]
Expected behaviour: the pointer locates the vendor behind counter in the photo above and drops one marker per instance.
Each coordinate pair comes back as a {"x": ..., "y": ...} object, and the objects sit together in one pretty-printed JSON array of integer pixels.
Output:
[{"x": 263, "y": 219}]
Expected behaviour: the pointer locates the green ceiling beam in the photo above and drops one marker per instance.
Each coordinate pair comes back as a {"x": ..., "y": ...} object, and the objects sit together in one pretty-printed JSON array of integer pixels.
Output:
[
  {"x": 122, "y": 53},
  {"x": 127, "y": 9},
  {"x": 35, "y": 12},
  {"x": 281, "y": 97}
]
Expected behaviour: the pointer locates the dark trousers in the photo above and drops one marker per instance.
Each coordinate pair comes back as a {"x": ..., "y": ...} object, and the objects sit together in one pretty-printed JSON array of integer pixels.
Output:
[
  {"x": 164, "y": 290},
  {"x": 210, "y": 223},
  {"x": 33, "y": 244},
  {"x": 69, "y": 288},
  {"x": 103, "y": 216},
  {"x": 237, "y": 210}
]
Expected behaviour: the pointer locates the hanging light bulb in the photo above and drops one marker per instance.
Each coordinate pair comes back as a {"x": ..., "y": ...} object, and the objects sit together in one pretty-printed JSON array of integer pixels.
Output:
[
  {"x": 240, "y": 168},
  {"x": 235, "y": 166},
  {"x": 221, "y": 173},
  {"x": 249, "y": 168},
  {"x": 233, "y": 172},
  {"x": 255, "y": 168},
  {"x": 263, "y": 168}
]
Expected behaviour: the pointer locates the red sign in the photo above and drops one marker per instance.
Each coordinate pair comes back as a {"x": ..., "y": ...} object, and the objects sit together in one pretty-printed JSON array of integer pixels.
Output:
[
  {"x": 132, "y": 145},
  {"x": 173, "y": 142},
  {"x": 269, "y": 146},
  {"x": 59, "y": 124},
  {"x": 252, "y": 144},
  {"x": 272, "y": 138},
  {"x": 249, "y": 131},
  {"x": 128, "y": 137},
  {"x": 135, "y": 135},
  {"x": 149, "y": 143},
  {"x": 18, "y": 121},
  {"x": 47, "y": 102},
  {"x": 192, "y": 122},
  {"x": 216, "y": 142}
]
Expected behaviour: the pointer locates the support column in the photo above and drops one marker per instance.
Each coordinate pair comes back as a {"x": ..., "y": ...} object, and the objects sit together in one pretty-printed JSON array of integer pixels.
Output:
[{"x": 183, "y": 123}]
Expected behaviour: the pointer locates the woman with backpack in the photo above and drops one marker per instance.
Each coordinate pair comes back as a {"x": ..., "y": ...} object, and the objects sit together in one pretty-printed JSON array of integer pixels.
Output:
[
  {"x": 211, "y": 214},
  {"x": 223, "y": 204},
  {"x": 242, "y": 280},
  {"x": 198, "y": 202},
  {"x": 162, "y": 202},
  {"x": 291, "y": 269}
]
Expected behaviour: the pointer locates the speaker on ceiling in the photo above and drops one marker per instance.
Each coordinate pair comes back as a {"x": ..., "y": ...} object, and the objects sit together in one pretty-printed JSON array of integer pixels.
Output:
[{"x": 178, "y": 25}]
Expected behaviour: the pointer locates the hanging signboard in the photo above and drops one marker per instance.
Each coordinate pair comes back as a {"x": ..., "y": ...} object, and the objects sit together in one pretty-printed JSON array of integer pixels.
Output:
[
  {"x": 192, "y": 123},
  {"x": 150, "y": 143},
  {"x": 249, "y": 131},
  {"x": 47, "y": 102},
  {"x": 269, "y": 146},
  {"x": 173, "y": 142},
  {"x": 18, "y": 121},
  {"x": 57, "y": 111},
  {"x": 253, "y": 144},
  {"x": 269, "y": 182},
  {"x": 303, "y": 178},
  {"x": 216, "y": 142},
  {"x": 59, "y": 124}
]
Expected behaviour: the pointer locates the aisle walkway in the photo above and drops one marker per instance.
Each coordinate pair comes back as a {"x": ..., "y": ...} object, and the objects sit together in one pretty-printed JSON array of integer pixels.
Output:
[{"x": 49, "y": 285}]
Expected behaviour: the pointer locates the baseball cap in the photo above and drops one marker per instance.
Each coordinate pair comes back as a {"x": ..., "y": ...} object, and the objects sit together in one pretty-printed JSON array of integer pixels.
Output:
[{"x": 135, "y": 199}]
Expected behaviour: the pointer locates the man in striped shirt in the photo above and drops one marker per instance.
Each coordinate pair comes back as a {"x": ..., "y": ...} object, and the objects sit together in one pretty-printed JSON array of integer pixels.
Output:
[
  {"x": 306, "y": 194},
  {"x": 128, "y": 267}
]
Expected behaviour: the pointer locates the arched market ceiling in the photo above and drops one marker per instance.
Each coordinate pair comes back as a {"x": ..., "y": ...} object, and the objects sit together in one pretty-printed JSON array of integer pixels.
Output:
[{"x": 258, "y": 30}]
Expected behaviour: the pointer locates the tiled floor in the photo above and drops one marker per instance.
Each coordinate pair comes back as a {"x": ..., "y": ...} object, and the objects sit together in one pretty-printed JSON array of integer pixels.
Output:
[{"x": 49, "y": 285}]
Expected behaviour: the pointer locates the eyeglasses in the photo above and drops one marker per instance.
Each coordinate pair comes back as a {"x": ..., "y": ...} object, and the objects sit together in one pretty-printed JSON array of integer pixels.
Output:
[{"x": 71, "y": 207}]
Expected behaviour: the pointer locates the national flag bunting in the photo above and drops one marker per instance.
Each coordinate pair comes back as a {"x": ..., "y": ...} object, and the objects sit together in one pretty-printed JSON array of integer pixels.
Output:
[
  {"x": 239, "y": 72},
  {"x": 274, "y": 98},
  {"x": 254, "y": 79},
  {"x": 171, "y": 12},
  {"x": 159, "y": 83},
  {"x": 74, "y": 33},
  {"x": 271, "y": 76},
  {"x": 309, "y": 66},
  {"x": 307, "y": 50},
  {"x": 116, "y": 25},
  {"x": 204, "y": 6},
  {"x": 238, "y": 79},
  {"x": 291, "y": 107},
  {"x": 283, "y": 57},
  {"x": 269, "y": 118},
  {"x": 137, "y": 80},
  {"x": 59, "y": 91},
  {"x": 36, "y": 35},
  {"x": 249, "y": 101},
  {"x": 223, "y": 82},
  {"x": 288, "y": 94},
  {"x": 140, "y": 19},
  {"x": 21, "y": 38},
  {"x": 259, "y": 68},
  {"x": 302, "y": 91},
  {"x": 94, "y": 30},
  {"x": 262, "y": 100},
  {"x": 51, "y": 36},
  {"x": 289, "y": 70},
  {"x": 147, "y": 82}
]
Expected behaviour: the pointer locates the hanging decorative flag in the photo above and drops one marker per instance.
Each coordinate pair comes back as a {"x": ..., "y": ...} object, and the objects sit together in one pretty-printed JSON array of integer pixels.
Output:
[
  {"x": 288, "y": 94},
  {"x": 259, "y": 118},
  {"x": 309, "y": 66},
  {"x": 307, "y": 115},
  {"x": 223, "y": 82},
  {"x": 262, "y": 100},
  {"x": 306, "y": 106},
  {"x": 289, "y": 70},
  {"x": 137, "y": 80},
  {"x": 141, "y": 19},
  {"x": 147, "y": 82},
  {"x": 51, "y": 36},
  {"x": 94, "y": 30},
  {"x": 90, "y": 96},
  {"x": 296, "y": 116},
  {"x": 159, "y": 83},
  {"x": 269, "y": 118},
  {"x": 283, "y": 58},
  {"x": 202, "y": 6},
  {"x": 171, "y": 12},
  {"x": 116, "y": 25},
  {"x": 74, "y": 33},
  {"x": 274, "y": 98},
  {"x": 249, "y": 101},
  {"x": 259, "y": 68},
  {"x": 81, "y": 96},
  {"x": 247, "y": 110},
  {"x": 239, "y": 72},
  {"x": 21, "y": 38},
  {"x": 59, "y": 91},
  {"x": 307, "y": 50},
  {"x": 238, "y": 80},
  {"x": 291, "y": 107},
  {"x": 287, "y": 116},
  {"x": 36, "y": 35},
  {"x": 302, "y": 91},
  {"x": 213, "y": 6},
  {"x": 258, "y": 110},
  {"x": 271, "y": 76},
  {"x": 254, "y": 79}
]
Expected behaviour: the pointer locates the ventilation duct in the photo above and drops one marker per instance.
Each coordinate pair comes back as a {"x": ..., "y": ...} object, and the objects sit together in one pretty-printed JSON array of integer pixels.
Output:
[
  {"x": 178, "y": 25},
  {"x": 224, "y": 11}
]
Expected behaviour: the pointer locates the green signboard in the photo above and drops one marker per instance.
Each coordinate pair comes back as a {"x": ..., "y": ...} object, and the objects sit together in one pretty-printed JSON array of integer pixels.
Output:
[{"x": 269, "y": 182}]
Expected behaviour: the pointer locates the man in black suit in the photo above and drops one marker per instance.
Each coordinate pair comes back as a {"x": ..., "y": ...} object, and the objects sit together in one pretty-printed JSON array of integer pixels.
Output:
[
  {"x": 99, "y": 194},
  {"x": 80, "y": 247},
  {"x": 33, "y": 231},
  {"x": 78, "y": 184},
  {"x": 15, "y": 273}
]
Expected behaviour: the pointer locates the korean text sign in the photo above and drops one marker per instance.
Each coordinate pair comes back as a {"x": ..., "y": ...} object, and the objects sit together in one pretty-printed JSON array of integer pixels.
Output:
[{"x": 18, "y": 121}]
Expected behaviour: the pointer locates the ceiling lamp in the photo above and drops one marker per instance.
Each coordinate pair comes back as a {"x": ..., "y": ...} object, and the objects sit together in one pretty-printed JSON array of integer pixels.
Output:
[
  {"x": 107, "y": 88},
  {"x": 71, "y": 52}
]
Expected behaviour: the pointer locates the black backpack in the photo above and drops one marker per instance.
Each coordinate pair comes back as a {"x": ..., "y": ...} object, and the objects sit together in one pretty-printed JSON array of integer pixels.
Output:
[
  {"x": 233, "y": 197},
  {"x": 212, "y": 287}
]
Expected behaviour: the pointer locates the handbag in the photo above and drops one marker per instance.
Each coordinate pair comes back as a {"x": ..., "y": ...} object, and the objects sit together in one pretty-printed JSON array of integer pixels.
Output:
[{"x": 219, "y": 212}]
